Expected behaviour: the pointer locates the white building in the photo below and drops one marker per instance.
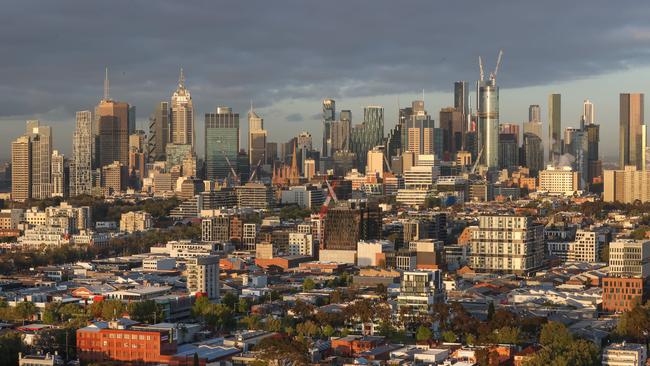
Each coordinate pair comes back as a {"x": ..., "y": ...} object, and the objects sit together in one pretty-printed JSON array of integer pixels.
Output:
[
  {"x": 307, "y": 196},
  {"x": 203, "y": 276},
  {"x": 625, "y": 354},
  {"x": 419, "y": 291},
  {"x": 369, "y": 253},
  {"x": 585, "y": 248},
  {"x": 185, "y": 249},
  {"x": 158, "y": 264},
  {"x": 249, "y": 236},
  {"x": 559, "y": 180},
  {"x": 629, "y": 258},
  {"x": 301, "y": 244}
]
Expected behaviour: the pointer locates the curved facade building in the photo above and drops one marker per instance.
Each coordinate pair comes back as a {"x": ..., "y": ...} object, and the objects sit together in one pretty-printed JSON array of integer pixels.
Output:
[{"x": 488, "y": 122}]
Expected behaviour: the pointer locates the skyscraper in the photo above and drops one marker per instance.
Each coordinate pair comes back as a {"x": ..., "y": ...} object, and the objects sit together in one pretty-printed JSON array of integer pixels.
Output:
[
  {"x": 41, "y": 156},
  {"x": 533, "y": 153},
  {"x": 340, "y": 132},
  {"x": 418, "y": 134},
  {"x": 58, "y": 174},
  {"x": 631, "y": 139},
  {"x": 329, "y": 115},
  {"x": 21, "y": 169},
  {"x": 588, "y": 111},
  {"x": 181, "y": 126},
  {"x": 221, "y": 142},
  {"x": 368, "y": 134},
  {"x": 453, "y": 125},
  {"x": 111, "y": 130},
  {"x": 159, "y": 132},
  {"x": 461, "y": 97},
  {"x": 256, "y": 139},
  {"x": 534, "y": 113},
  {"x": 488, "y": 122},
  {"x": 81, "y": 178},
  {"x": 554, "y": 127}
]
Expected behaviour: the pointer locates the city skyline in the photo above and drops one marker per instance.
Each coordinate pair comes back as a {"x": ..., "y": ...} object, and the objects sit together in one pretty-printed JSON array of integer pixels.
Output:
[{"x": 291, "y": 94}]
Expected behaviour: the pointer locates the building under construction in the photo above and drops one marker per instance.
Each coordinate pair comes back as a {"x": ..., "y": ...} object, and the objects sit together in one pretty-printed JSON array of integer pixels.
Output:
[{"x": 350, "y": 222}]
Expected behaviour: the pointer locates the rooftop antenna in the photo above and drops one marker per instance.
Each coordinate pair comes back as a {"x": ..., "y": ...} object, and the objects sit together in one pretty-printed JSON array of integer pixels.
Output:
[
  {"x": 251, "y": 104},
  {"x": 106, "y": 85},
  {"x": 181, "y": 79}
]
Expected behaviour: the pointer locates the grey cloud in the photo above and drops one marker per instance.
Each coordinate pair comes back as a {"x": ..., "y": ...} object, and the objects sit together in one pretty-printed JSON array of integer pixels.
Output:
[{"x": 295, "y": 117}]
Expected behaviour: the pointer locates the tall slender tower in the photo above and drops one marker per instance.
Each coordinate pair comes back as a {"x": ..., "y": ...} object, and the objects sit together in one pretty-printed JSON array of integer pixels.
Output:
[
  {"x": 256, "y": 138},
  {"x": 554, "y": 127},
  {"x": 488, "y": 121},
  {"x": 21, "y": 169},
  {"x": 631, "y": 128},
  {"x": 221, "y": 142},
  {"x": 182, "y": 115},
  {"x": 111, "y": 130},
  {"x": 41, "y": 140},
  {"x": 588, "y": 112},
  {"x": 329, "y": 115},
  {"x": 82, "y": 150},
  {"x": 58, "y": 175}
]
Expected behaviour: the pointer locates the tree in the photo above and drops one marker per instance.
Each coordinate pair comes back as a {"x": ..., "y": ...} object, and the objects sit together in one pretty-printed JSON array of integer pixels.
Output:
[
  {"x": 273, "y": 325},
  {"x": 229, "y": 299},
  {"x": 307, "y": 329},
  {"x": 507, "y": 335},
  {"x": 560, "y": 348},
  {"x": 490, "y": 311},
  {"x": 147, "y": 311},
  {"x": 328, "y": 331},
  {"x": 282, "y": 352},
  {"x": 635, "y": 324},
  {"x": 25, "y": 310},
  {"x": 423, "y": 334},
  {"x": 449, "y": 336},
  {"x": 251, "y": 322},
  {"x": 111, "y": 309},
  {"x": 11, "y": 344},
  {"x": 308, "y": 284},
  {"x": 243, "y": 306},
  {"x": 51, "y": 313}
]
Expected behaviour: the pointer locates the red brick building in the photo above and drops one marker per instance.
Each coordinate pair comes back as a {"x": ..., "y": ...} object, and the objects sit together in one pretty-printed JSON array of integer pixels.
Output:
[
  {"x": 355, "y": 344},
  {"x": 623, "y": 293},
  {"x": 99, "y": 343}
]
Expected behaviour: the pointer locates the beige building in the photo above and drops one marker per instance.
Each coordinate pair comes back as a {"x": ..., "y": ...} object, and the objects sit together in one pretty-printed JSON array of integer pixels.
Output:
[
  {"x": 135, "y": 221},
  {"x": 203, "y": 275},
  {"x": 629, "y": 258},
  {"x": 585, "y": 248},
  {"x": 21, "y": 169},
  {"x": 508, "y": 244},
  {"x": 559, "y": 180},
  {"x": 627, "y": 185},
  {"x": 375, "y": 163},
  {"x": 625, "y": 354}
]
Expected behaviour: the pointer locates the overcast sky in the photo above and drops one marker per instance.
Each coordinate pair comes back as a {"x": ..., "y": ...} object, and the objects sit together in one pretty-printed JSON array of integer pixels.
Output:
[{"x": 288, "y": 55}]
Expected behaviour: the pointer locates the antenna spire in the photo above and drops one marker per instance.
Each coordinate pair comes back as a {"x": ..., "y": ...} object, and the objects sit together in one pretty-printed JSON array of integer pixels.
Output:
[
  {"x": 251, "y": 105},
  {"x": 106, "y": 85},
  {"x": 181, "y": 79}
]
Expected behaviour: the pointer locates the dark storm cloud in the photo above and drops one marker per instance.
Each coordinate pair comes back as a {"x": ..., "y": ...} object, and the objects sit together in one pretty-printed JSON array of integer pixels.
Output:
[
  {"x": 54, "y": 52},
  {"x": 295, "y": 117}
]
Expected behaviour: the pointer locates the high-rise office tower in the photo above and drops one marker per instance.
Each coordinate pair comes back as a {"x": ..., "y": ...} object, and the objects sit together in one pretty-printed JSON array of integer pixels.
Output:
[
  {"x": 221, "y": 142},
  {"x": 418, "y": 130},
  {"x": 461, "y": 97},
  {"x": 181, "y": 126},
  {"x": 534, "y": 113},
  {"x": 41, "y": 140},
  {"x": 588, "y": 111},
  {"x": 631, "y": 129},
  {"x": 111, "y": 130},
  {"x": 340, "y": 132},
  {"x": 159, "y": 132},
  {"x": 21, "y": 169},
  {"x": 554, "y": 127},
  {"x": 304, "y": 146},
  {"x": 508, "y": 150},
  {"x": 329, "y": 115},
  {"x": 271, "y": 152},
  {"x": 256, "y": 139},
  {"x": 595, "y": 168},
  {"x": 488, "y": 122},
  {"x": 58, "y": 174},
  {"x": 453, "y": 127},
  {"x": 131, "y": 120},
  {"x": 368, "y": 134},
  {"x": 81, "y": 177},
  {"x": 533, "y": 153}
]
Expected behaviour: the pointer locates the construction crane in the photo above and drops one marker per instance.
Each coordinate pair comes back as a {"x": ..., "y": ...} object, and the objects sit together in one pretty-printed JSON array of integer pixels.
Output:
[
  {"x": 493, "y": 76},
  {"x": 331, "y": 195},
  {"x": 235, "y": 177},
  {"x": 255, "y": 170},
  {"x": 480, "y": 67},
  {"x": 387, "y": 164},
  {"x": 478, "y": 158}
]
